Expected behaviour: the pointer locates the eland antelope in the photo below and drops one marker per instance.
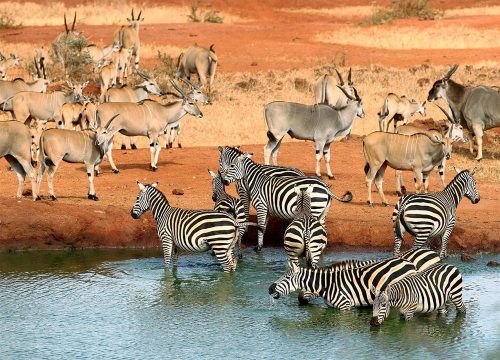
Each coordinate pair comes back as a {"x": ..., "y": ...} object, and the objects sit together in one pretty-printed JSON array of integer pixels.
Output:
[
  {"x": 200, "y": 61},
  {"x": 128, "y": 36},
  {"x": 107, "y": 77},
  {"x": 87, "y": 147},
  {"x": 147, "y": 118},
  {"x": 326, "y": 89},
  {"x": 398, "y": 108},
  {"x": 319, "y": 123},
  {"x": 6, "y": 64},
  {"x": 99, "y": 54},
  {"x": 476, "y": 108},
  {"x": 15, "y": 145}
]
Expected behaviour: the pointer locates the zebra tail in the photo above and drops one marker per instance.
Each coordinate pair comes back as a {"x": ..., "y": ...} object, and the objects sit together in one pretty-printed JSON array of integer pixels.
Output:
[
  {"x": 307, "y": 250},
  {"x": 347, "y": 197},
  {"x": 396, "y": 220},
  {"x": 248, "y": 223}
]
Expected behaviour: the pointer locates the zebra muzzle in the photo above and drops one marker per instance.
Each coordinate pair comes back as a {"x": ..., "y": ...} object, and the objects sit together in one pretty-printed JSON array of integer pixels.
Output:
[{"x": 374, "y": 321}]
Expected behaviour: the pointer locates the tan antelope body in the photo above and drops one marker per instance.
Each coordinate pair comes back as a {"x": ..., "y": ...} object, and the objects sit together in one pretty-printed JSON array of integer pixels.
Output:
[
  {"x": 147, "y": 118},
  {"x": 99, "y": 54},
  {"x": 10, "y": 88},
  {"x": 87, "y": 147},
  {"x": 396, "y": 108},
  {"x": 108, "y": 77},
  {"x": 15, "y": 146},
  {"x": 128, "y": 37},
  {"x": 326, "y": 90},
  {"x": 78, "y": 114},
  {"x": 6, "y": 64},
  {"x": 200, "y": 61},
  {"x": 419, "y": 153}
]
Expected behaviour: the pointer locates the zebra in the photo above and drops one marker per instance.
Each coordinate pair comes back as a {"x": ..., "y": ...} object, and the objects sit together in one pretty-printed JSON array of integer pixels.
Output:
[
  {"x": 188, "y": 230},
  {"x": 228, "y": 204},
  {"x": 343, "y": 289},
  {"x": 421, "y": 292},
  {"x": 227, "y": 155},
  {"x": 275, "y": 195},
  {"x": 434, "y": 214},
  {"x": 421, "y": 258},
  {"x": 305, "y": 234}
]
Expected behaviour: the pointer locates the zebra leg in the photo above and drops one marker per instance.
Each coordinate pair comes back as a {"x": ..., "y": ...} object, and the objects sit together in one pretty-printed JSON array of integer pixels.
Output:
[
  {"x": 326, "y": 154},
  {"x": 456, "y": 299},
  {"x": 225, "y": 258},
  {"x": 409, "y": 312},
  {"x": 262, "y": 222},
  {"x": 176, "y": 255},
  {"x": 442, "y": 310},
  {"x": 420, "y": 240},
  {"x": 168, "y": 246},
  {"x": 305, "y": 296},
  {"x": 399, "y": 231},
  {"x": 445, "y": 239}
]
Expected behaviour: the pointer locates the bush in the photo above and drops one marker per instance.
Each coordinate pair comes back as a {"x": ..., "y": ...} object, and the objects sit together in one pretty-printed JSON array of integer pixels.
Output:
[
  {"x": 210, "y": 16},
  {"x": 403, "y": 9},
  {"x": 213, "y": 16},
  {"x": 67, "y": 51},
  {"x": 7, "y": 22}
]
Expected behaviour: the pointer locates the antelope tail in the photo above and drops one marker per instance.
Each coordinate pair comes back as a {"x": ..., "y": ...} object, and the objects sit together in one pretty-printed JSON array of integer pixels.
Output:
[
  {"x": 384, "y": 111},
  {"x": 367, "y": 164},
  {"x": 46, "y": 159},
  {"x": 213, "y": 64},
  {"x": 5, "y": 102},
  {"x": 323, "y": 89}
]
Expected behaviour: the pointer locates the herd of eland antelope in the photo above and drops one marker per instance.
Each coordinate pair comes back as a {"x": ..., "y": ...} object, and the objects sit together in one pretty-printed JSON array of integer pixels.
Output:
[{"x": 273, "y": 190}]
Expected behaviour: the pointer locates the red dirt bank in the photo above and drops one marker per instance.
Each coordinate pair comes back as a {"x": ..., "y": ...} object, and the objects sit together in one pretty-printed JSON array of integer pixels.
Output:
[{"x": 75, "y": 222}]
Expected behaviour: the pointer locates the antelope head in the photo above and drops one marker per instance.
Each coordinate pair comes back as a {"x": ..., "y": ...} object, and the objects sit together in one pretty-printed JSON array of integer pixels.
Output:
[
  {"x": 438, "y": 90},
  {"x": 196, "y": 93},
  {"x": 134, "y": 22},
  {"x": 356, "y": 99},
  {"x": 188, "y": 105}
]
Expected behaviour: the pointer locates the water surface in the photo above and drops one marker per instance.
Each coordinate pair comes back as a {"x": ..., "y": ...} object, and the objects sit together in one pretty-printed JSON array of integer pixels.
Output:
[{"x": 122, "y": 304}]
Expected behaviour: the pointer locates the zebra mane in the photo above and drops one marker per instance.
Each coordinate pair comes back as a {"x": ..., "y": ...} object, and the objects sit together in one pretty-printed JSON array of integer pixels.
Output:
[{"x": 458, "y": 176}]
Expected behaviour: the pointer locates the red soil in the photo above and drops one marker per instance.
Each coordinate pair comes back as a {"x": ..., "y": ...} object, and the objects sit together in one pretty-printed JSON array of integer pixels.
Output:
[{"x": 75, "y": 222}]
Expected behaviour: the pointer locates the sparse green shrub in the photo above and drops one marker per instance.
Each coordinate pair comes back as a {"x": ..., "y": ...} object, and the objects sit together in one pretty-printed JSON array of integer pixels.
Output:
[
  {"x": 67, "y": 51},
  {"x": 213, "y": 16},
  {"x": 8, "y": 22},
  {"x": 210, "y": 16},
  {"x": 194, "y": 16},
  {"x": 164, "y": 69},
  {"x": 403, "y": 9}
]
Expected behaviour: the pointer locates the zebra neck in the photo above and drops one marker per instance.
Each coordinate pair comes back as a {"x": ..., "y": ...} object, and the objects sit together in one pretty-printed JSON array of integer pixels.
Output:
[
  {"x": 159, "y": 206},
  {"x": 455, "y": 192},
  {"x": 253, "y": 176},
  {"x": 313, "y": 280}
]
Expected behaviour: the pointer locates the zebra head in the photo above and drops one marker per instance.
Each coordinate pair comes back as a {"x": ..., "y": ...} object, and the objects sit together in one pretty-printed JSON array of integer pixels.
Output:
[
  {"x": 236, "y": 170},
  {"x": 381, "y": 306},
  {"x": 142, "y": 203},
  {"x": 217, "y": 185},
  {"x": 227, "y": 155},
  {"x": 287, "y": 283},
  {"x": 466, "y": 177}
]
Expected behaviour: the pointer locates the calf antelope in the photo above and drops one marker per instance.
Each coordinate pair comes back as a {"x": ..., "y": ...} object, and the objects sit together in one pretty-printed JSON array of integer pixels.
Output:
[
  {"x": 396, "y": 109},
  {"x": 6, "y": 64}
]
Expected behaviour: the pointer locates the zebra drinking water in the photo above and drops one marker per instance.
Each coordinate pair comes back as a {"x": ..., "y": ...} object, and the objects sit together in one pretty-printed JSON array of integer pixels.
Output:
[
  {"x": 343, "y": 289},
  {"x": 228, "y": 204},
  {"x": 188, "y": 230},
  {"x": 429, "y": 215},
  {"x": 305, "y": 235},
  {"x": 276, "y": 195},
  {"x": 422, "y": 292}
]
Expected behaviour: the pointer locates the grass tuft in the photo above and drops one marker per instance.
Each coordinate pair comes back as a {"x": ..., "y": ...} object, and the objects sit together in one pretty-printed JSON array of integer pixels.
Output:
[
  {"x": 8, "y": 22},
  {"x": 402, "y": 9}
]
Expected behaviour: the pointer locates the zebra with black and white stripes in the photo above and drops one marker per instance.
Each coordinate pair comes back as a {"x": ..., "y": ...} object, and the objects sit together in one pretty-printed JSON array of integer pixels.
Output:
[
  {"x": 227, "y": 155},
  {"x": 421, "y": 258},
  {"x": 305, "y": 236},
  {"x": 188, "y": 230},
  {"x": 422, "y": 292},
  {"x": 276, "y": 195},
  {"x": 343, "y": 289},
  {"x": 429, "y": 215},
  {"x": 228, "y": 204}
]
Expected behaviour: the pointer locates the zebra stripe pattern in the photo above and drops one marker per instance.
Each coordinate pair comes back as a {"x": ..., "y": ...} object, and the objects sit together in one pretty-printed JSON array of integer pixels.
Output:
[
  {"x": 305, "y": 235},
  {"x": 429, "y": 215},
  {"x": 276, "y": 195},
  {"x": 343, "y": 289},
  {"x": 229, "y": 154},
  {"x": 422, "y": 259},
  {"x": 228, "y": 204},
  {"x": 188, "y": 230},
  {"x": 424, "y": 292}
]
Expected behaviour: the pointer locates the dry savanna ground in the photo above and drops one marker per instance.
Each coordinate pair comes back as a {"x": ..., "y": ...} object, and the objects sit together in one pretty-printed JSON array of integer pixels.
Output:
[{"x": 275, "y": 50}]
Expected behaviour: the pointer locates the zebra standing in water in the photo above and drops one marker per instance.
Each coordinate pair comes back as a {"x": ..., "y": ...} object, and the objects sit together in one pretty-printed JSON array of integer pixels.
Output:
[
  {"x": 276, "y": 195},
  {"x": 305, "y": 235},
  {"x": 422, "y": 259},
  {"x": 227, "y": 155},
  {"x": 228, "y": 204},
  {"x": 422, "y": 292},
  {"x": 343, "y": 289},
  {"x": 429, "y": 215},
  {"x": 188, "y": 230}
]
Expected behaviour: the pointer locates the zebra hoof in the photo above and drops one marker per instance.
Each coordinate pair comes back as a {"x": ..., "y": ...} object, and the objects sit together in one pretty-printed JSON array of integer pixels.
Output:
[
  {"x": 53, "y": 198},
  {"x": 257, "y": 249},
  {"x": 116, "y": 171},
  {"x": 403, "y": 190},
  {"x": 123, "y": 147},
  {"x": 133, "y": 147},
  {"x": 93, "y": 197},
  {"x": 240, "y": 256}
]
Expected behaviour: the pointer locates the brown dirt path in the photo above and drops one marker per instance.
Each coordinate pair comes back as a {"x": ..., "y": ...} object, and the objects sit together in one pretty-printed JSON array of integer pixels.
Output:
[{"x": 75, "y": 222}]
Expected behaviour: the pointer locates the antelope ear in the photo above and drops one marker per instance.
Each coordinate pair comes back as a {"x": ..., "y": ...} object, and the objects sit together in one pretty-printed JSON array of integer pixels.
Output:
[
  {"x": 141, "y": 186},
  {"x": 70, "y": 84},
  {"x": 155, "y": 184},
  {"x": 85, "y": 84},
  {"x": 212, "y": 174},
  {"x": 438, "y": 138}
]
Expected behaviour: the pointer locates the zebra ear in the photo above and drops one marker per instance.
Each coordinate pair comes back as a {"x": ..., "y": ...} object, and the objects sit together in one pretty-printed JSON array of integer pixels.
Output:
[
  {"x": 212, "y": 174},
  {"x": 473, "y": 171},
  {"x": 155, "y": 184},
  {"x": 248, "y": 155},
  {"x": 373, "y": 290},
  {"x": 457, "y": 169},
  {"x": 220, "y": 149},
  {"x": 141, "y": 186}
]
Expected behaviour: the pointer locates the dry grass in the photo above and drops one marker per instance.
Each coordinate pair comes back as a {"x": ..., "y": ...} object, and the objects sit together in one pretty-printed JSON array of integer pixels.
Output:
[
  {"x": 341, "y": 11},
  {"x": 405, "y": 37},
  {"x": 473, "y": 11},
  {"x": 101, "y": 13}
]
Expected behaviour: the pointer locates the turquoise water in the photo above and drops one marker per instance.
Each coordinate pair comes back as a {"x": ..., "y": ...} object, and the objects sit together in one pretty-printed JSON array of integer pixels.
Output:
[{"x": 103, "y": 304}]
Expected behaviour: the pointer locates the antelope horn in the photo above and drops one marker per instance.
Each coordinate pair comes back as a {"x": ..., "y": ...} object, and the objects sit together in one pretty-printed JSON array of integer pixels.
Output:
[
  {"x": 74, "y": 22},
  {"x": 66, "y": 24},
  {"x": 97, "y": 119},
  {"x": 346, "y": 94},
  {"x": 139, "y": 16},
  {"x": 110, "y": 120},
  {"x": 178, "y": 88},
  {"x": 349, "y": 76},
  {"x": 142, "y": 75},
  {"x": 356, "y": 94},
  {"x": 340, "y": 77},
  {"x": 37, "y": 68},
  {"x": 451, "y": 72},
  {"x": 188, "y": 83},
  {"x": 42, "y": 65},
  {"x": 133, "y": 14},
  {"x": 446, "y": 113}
]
